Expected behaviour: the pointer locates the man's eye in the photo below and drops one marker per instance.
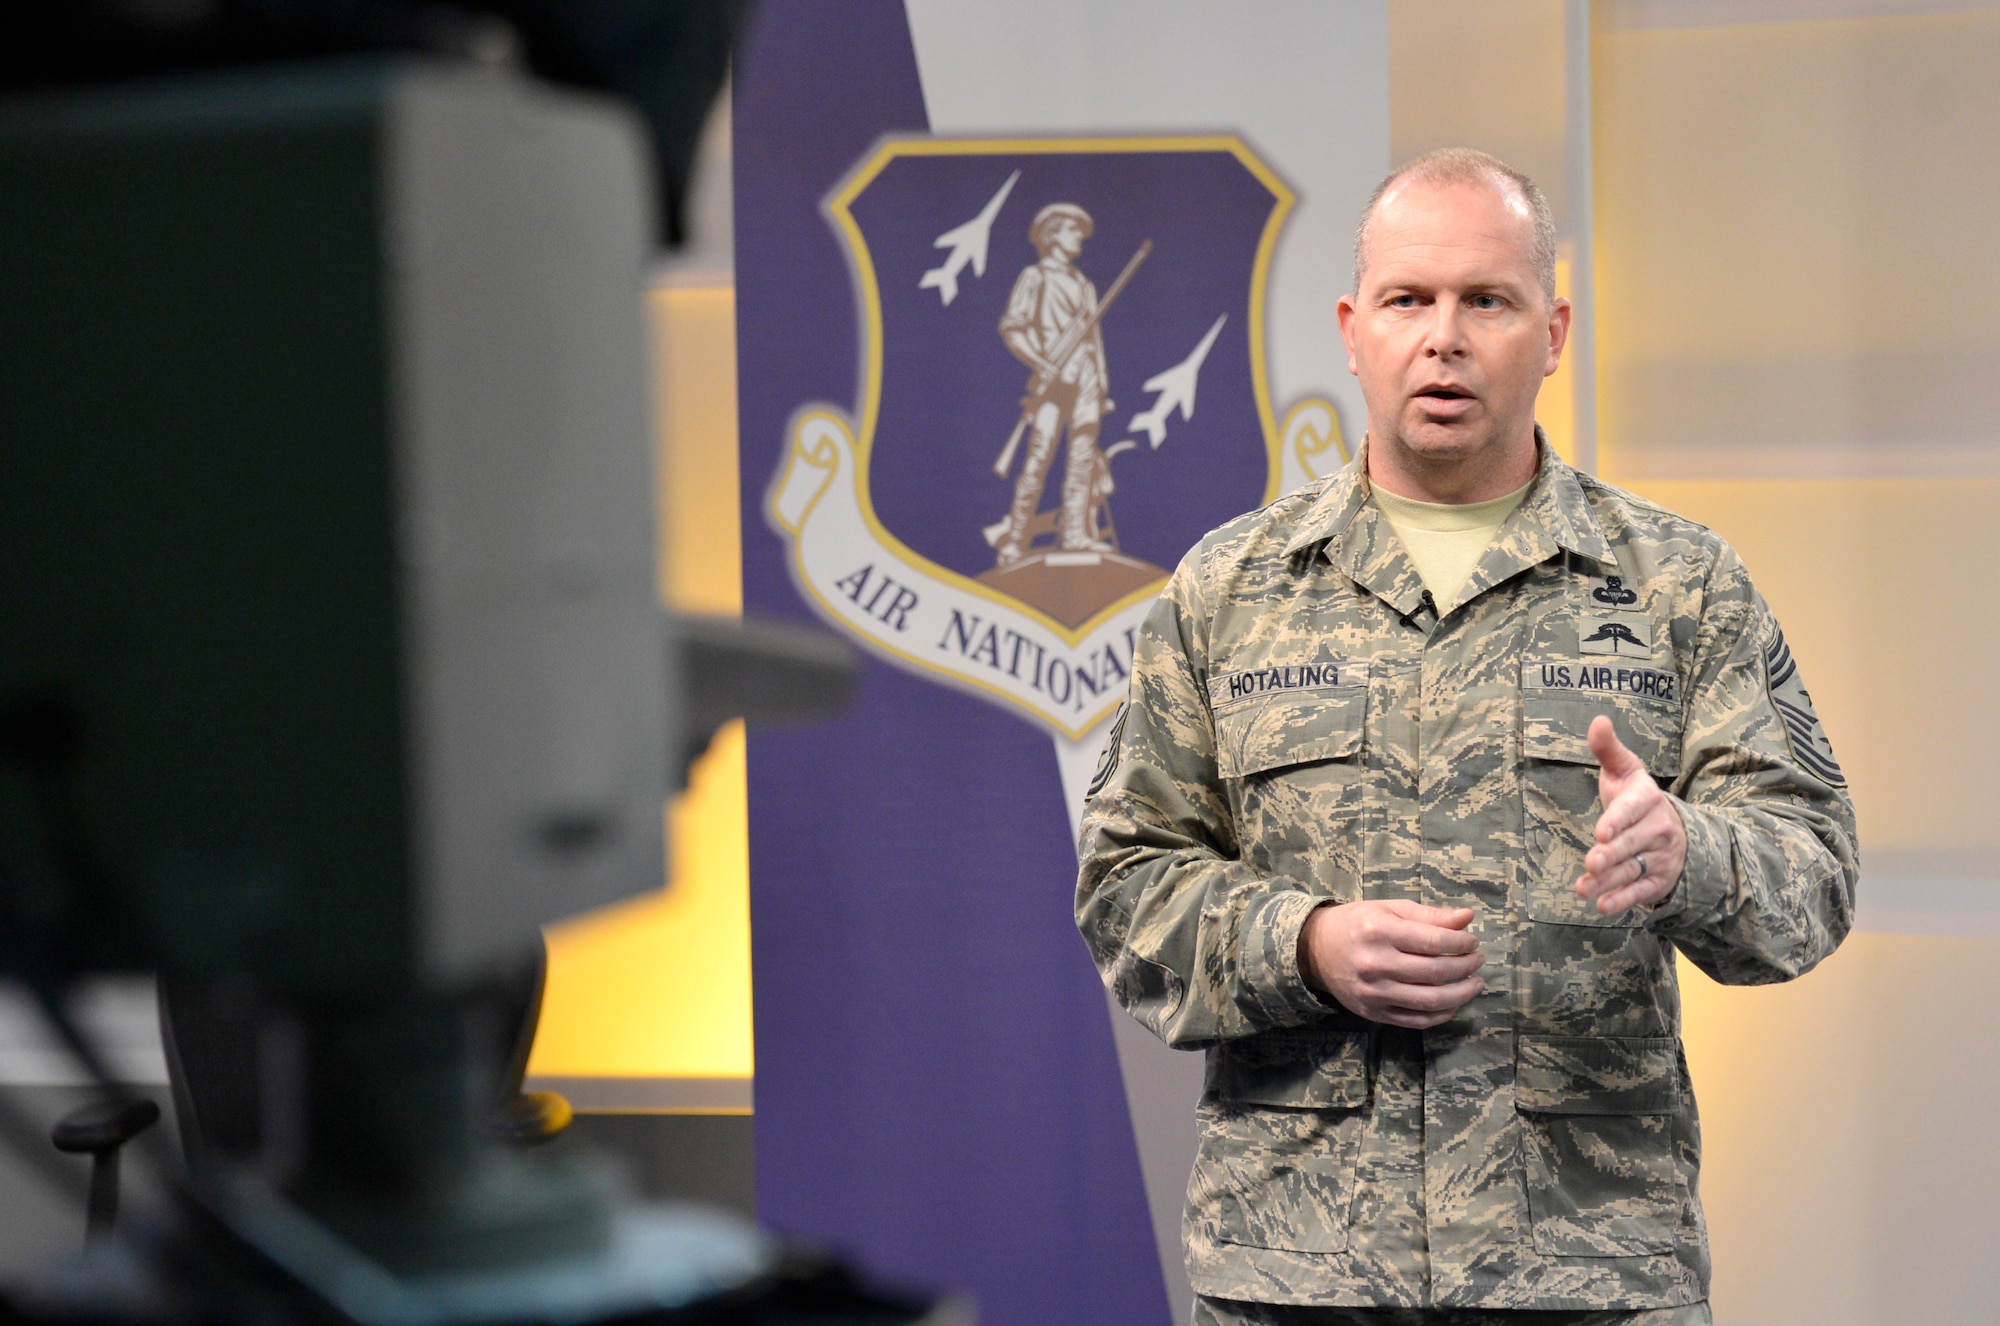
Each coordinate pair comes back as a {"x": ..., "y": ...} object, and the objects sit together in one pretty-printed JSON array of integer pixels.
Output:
[
  {"x": 1402, "y": 301},
  {"x": 1485, "y": 302}
]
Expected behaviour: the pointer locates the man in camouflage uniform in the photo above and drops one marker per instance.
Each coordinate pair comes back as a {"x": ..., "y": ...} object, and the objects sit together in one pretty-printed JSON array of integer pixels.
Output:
[{"x": 1412, "y": 868}]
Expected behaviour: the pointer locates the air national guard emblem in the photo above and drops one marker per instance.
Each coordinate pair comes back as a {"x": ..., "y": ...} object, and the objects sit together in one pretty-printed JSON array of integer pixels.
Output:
[{"x": 1063, "y": 387}]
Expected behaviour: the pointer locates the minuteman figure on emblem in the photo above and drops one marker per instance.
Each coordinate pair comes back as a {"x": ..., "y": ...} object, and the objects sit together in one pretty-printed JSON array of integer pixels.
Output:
[{"x": 1054, "y": 324}]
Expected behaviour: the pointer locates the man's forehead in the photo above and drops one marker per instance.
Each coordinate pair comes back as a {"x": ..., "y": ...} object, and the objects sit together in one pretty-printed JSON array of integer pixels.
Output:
[{"x": 1452, "y": 229}]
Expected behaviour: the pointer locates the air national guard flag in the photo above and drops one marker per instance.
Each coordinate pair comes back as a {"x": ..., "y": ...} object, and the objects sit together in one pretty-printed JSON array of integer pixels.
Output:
[{"x": 991, "y": 389}]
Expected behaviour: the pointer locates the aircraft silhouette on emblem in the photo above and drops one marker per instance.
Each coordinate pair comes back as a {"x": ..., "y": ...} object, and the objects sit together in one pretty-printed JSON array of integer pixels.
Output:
[
  {"x": 1175, "y": 388},
  {"x": 967, "y": 244}
]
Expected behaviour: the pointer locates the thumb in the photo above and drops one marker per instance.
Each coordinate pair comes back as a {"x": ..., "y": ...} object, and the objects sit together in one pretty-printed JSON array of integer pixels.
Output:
[
  {"x": 1446, "y": 918},
  {"x": 1612, "y": 757}
]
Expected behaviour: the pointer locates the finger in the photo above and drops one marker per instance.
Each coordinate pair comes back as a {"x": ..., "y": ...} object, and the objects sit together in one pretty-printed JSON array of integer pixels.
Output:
[
  {"x": 1622, "y": 899},
  {"x": 1410, "y": 969},
  {"x": 1416, "y": 928},
  {"x": 1596, "y": 884},
  {"x": 1617, "y": 902},
  {"x": 1612, "y": 756},
  {"x": 1623, "y": 874},
  {"x": 1429, "y": 1012},
  {"x": 1429, "y": 998},
  {"x": 1626, "y": 884},
  {"x": 1654, "y": 831},
  {"x": 1425, "y": 941},
  {"x": 1395, "y": 1017},
  {"x": 1450, "y": 918},
  {"x": 1653, "y": 836},
  {"x": 1638, "y": 799}
]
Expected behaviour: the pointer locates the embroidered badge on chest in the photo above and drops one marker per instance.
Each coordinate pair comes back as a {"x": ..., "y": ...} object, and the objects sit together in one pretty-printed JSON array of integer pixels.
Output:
[
  {"x": 1628, "y": 634},
  {"x": 1613, "y": 593}
]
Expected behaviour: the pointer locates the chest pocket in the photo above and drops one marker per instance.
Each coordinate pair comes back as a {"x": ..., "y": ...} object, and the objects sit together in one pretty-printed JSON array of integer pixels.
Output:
[
  {"x": 1294, "y": 766},
  {"x": 1277, "y": 733},
  {"x": 1559, "y": 788}
]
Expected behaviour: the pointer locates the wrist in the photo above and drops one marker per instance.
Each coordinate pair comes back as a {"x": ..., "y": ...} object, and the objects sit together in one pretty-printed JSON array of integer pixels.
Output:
[
  {"x": 1309, "y": 971},
  {"x": 1704, "y": 870}
]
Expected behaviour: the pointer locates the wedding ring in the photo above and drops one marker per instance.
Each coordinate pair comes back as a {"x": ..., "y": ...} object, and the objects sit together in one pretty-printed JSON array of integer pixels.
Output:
[{"x": 1640, "y": 857}]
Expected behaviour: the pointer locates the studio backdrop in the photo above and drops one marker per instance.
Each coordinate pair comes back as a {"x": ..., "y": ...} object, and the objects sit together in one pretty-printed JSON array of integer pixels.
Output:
[{"x": 1029, "y": 298}]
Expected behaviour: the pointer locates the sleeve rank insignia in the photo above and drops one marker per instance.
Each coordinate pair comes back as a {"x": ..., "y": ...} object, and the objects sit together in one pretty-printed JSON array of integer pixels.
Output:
[{"x": 1803, "y": 732}]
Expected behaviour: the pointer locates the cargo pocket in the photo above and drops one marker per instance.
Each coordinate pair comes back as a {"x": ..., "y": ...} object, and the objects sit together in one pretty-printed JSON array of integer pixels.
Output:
[
  {"x": 1559, "y": 791},
  {"x": 1597, "y": 1143},
  {"x": 1280, "y": 1130}
]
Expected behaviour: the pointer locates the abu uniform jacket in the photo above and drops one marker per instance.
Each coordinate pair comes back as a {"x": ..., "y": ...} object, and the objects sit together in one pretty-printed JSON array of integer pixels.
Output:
[{"x": 1304, "y": 727}]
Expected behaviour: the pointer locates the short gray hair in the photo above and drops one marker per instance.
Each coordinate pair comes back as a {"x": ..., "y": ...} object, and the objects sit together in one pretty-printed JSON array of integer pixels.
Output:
[{"x": 1465, "y": 165}]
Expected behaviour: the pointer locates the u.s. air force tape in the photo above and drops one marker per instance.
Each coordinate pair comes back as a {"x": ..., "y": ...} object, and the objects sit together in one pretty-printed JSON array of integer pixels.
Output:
[
  {"x": 1230, "y": 688},
  {"x": 1591, "y": 678}
]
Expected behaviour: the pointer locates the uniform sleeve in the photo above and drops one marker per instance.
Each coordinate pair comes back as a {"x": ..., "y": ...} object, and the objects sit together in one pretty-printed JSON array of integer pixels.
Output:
[
  {"x": 1772, "y": 863},
  {"x": 1190, "y": 941},
  {"x": 1019, "y": 315}
]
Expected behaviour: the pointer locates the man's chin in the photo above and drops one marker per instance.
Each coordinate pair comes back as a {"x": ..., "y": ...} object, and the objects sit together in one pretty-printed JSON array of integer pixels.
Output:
[{"x": 1444, "y": 444}]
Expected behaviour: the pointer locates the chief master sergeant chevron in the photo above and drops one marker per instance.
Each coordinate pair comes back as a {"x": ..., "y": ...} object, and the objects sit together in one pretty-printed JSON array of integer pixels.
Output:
[{"x": 1426, "y": 772}]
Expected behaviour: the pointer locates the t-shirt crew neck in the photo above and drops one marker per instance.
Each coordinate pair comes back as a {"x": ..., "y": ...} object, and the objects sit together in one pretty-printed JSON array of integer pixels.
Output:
[{"x": 1445, "y": 540}]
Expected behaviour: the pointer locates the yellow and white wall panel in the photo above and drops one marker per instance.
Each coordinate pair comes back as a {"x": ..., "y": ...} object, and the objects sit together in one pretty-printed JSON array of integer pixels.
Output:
[{"x": 648, "y": 1002}]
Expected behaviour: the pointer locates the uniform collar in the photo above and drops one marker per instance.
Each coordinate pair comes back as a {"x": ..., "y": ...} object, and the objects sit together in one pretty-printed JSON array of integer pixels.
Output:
[{"x": 1356, "y": 538}]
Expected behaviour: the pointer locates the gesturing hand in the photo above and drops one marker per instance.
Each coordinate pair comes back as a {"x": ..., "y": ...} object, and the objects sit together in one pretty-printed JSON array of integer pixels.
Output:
[
  {"x": 1641, "y": 843},
  {"x": 1392, "y": 961}
]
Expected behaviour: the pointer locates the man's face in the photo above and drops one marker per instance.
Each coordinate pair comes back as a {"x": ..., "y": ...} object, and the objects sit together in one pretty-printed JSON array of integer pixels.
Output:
[
  {"x": 1449, "y": 332},
  {"x": 1066, "y": 238}
]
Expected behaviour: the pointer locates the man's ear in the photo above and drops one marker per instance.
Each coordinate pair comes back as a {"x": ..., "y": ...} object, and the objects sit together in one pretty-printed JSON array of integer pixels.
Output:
[
  {"x": 1559, "y": 315},
  {"x": 1344, "y": 310}
]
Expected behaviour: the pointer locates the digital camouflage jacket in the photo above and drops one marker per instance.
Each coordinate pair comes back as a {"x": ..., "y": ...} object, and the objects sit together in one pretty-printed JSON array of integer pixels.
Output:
[{"x": 1305, "y": 727}]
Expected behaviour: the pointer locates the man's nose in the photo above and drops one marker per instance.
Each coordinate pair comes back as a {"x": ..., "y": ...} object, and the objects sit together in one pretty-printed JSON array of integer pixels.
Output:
[{"x": 1444, "y": 333}]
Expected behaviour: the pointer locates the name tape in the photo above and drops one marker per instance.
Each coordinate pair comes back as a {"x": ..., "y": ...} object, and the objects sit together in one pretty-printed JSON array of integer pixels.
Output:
[
  {"x": 1601, "y": 679},
  {"x": 1229, "y": 688}
]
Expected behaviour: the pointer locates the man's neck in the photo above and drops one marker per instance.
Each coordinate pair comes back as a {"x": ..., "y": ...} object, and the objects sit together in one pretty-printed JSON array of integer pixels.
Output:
[{"x": 1456, "y": 480}]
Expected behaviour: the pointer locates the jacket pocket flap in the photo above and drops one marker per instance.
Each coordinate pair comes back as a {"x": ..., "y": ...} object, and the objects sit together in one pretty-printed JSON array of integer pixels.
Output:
[
  {"x": 1275, "y": 733},
  {"x": 1556, "y": 726},
  {"x": 1597, "y": 1074},
  {"x": 1295, "y": 1068}
]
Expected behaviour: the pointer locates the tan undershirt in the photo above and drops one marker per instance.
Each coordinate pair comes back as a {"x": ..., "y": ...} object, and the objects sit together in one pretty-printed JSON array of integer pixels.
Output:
[{"x": 1445, "y": 541}]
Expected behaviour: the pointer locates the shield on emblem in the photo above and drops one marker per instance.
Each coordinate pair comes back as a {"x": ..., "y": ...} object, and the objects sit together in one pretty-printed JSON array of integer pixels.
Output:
[{"x": 1063, "y": 388}]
